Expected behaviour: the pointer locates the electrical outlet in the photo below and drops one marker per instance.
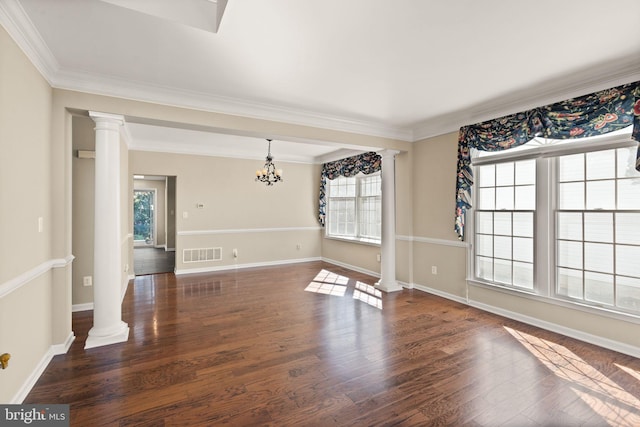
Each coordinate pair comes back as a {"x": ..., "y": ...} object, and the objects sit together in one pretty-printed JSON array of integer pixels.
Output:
[
  {"x": 378, "y": 257},
  {"x": 434, "y": 269},
  {"x": 87, "y": 281}
]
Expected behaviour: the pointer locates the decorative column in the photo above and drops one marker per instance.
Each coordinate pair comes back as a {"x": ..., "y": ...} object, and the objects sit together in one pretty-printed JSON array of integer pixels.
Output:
[
  {"x": 108, "y": 327},
  {"x": 387, "y": 282}
]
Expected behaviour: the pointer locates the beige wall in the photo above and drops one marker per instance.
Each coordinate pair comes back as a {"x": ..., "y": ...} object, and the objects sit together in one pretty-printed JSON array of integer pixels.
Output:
[
  {"x": 29, "y": 317},
  {"x": 264, "y": 223},
  {"x": 436, "y": 245}
]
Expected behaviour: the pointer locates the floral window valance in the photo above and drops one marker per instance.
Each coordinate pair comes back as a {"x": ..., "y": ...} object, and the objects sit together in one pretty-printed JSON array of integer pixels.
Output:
[
  {"x": 595, "y": 114},
  {"x": 367, "y": 163}
]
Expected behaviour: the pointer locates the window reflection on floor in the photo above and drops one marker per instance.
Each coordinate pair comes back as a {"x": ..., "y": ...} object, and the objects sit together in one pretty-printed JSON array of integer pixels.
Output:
[
  {"x": 610, "y": 401},
  {"x": 329, "y": 283},
  {"x": 368, "y": 294}
]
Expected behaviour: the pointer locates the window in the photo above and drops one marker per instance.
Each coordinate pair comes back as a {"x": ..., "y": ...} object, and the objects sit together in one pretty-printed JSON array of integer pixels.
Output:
[
  {"x": 561, "y": 219},
  {"x": 354, "y": 207}
]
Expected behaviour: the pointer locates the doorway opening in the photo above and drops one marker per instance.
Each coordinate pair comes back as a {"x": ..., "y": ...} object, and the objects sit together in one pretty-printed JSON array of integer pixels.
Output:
[{"x": 154, "y": 224}]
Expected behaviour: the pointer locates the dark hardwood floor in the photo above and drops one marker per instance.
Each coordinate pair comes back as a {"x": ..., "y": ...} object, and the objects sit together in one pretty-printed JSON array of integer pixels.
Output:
[
  {"x": 150, "y": 260},
  {"x": 253, "y": 348}
]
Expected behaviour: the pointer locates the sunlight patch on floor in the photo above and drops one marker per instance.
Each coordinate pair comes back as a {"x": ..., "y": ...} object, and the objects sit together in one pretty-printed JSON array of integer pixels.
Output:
[
  {"x": 368, "y": 294},
  {"x": 328, "y": 283},
  {"x": 606, "y": 398}
]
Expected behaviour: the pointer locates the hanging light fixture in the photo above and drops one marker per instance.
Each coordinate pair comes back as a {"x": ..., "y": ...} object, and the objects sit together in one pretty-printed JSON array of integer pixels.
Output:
[{"x": 269, "y": 174}]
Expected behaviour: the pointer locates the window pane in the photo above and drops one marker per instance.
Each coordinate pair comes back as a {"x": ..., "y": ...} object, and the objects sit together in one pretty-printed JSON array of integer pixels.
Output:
[
  {"x": 526, "y": 197},
  {"x": 504, "y": 198},
  {"x": 601, "y": 165},
  {"x": 484, "y": 245},
  {"x": 504, "y": 173},
  {"x": 598, "y": 227},
  {"x": 628, "y": 228},
  {"x": 502, "y": 247},
  {"x": 629, "y": 194},
  {"x": 523, "y": 275},
  {"x": 571, "y": 168},
  {"x": 569, "y": 225},
  {"x": 598, "y": 287},
  {"x": 523, "y": 224},
  {"x": 571, "y": 195},
  {"x": 484, "y": 222},
  {"x": 485, "y": 268},
  {"x": 523, "y": 249},
  {"x": 502, "y": 223},
  {"x": 601, "y": 195},
  {"x": 627, "y": 162},
  {"x": 628, "y": 260},
  {"x": 502, "y": 271},
  {"x": 598, "y": 257},
  {"x": 487, "y": 176},
  {"x": 526, "y": 172},
  {"x": 570, "y": 283},
  {"x": 486, "y": 198},
  {"x": 628, "y": 293},
  {"x": 570, "y": 254}
]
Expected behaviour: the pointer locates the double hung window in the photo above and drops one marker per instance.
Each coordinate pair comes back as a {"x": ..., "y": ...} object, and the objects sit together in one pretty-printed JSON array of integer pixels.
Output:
[
  {"x": 354, "y": 207},
  {"x": 561, "y": 219}
]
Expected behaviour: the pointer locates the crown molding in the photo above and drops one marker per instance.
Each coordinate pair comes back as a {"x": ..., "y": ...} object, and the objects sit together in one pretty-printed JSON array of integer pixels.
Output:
[
  {"x": 605, "y": 76},
  {"x": 14, "y": 18},
  {"x": 17, "y": 23}
]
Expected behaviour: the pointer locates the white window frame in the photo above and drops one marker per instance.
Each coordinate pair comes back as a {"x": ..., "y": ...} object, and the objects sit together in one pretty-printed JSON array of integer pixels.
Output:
[
  {"x": 357, "y": 237},
  {"x": 544, "y": 222}
]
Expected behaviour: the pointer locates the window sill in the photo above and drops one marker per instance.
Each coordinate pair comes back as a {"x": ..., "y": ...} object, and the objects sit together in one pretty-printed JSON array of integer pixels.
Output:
[
  {"x": 524, "y": 293},
  {"x": 366, "y": 242}
]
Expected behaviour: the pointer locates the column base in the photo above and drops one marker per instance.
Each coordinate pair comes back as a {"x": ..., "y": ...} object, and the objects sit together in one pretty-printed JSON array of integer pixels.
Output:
[
  {"x": 388, "y": 286},
  {"x": 121, "y": 335}
]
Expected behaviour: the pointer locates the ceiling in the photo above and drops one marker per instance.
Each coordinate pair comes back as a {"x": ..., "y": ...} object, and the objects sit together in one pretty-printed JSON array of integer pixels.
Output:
[{"x": 404, "y": 69}]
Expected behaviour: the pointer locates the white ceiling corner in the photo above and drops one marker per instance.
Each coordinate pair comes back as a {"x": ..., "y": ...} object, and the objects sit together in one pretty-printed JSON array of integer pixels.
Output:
[{"x": 399, "y": 70}]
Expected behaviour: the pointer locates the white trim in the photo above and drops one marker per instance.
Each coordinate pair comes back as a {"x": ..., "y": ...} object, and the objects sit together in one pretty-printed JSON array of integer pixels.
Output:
[
  {"x": 35, "y": 375},
  {"x": 439, "y": 293},
  {"x": 26, "y": 277},
  {"x": 563, "y": 330},
  {"x": 64, "y": 347},
  {"x": 240, "y": 266},
  {"x": 82, "y": 307},
  {"x": 433, "y": 241},
  {"x": 553, "y": 327},
  {"x": 246, "y": 230},
  {"x": 351, "y": 267}
]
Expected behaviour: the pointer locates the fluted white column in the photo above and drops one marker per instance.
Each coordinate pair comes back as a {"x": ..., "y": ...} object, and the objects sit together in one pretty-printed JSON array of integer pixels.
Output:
[
  {"x": 388, "y": 282},
  {"x": 108, "y": 327}
]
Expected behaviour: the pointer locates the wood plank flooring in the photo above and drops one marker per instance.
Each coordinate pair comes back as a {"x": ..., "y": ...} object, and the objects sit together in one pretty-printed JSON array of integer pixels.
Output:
[{"x": 254, "y": 348}]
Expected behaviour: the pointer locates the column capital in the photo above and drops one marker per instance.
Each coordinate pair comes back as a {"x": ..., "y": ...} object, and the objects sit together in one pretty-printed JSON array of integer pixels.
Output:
[
  {"x": 388, "y": 152},
  {"x": 106, "y": 121}
]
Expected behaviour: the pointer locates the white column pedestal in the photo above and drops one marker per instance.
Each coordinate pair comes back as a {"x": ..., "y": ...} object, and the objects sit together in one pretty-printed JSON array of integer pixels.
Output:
[
  {"x": 108, "y": 327},
  {"x": 388, "y": 282}
]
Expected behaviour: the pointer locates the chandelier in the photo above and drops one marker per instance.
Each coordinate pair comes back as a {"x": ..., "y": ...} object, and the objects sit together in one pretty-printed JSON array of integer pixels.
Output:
[{"x": 269, "y": 174}]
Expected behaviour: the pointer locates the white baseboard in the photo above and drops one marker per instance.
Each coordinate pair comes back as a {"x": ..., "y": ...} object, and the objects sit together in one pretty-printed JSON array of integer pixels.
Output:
[
  {"x": 64, "y": 347},
  {"x": 240, "y": 266},
  {"x": 82, "y": 307},
  {"x": 563, "y": 330},
  {"x": 351, "y": 267},
  {"x": 553, "y": 327},
  {"x": 26, "y": 388}
]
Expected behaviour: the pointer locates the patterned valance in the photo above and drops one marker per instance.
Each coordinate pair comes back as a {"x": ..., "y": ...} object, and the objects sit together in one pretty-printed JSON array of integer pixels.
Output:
[
  {"x": 367, "y": 163},
  {"x": 595, "y": 114}
]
